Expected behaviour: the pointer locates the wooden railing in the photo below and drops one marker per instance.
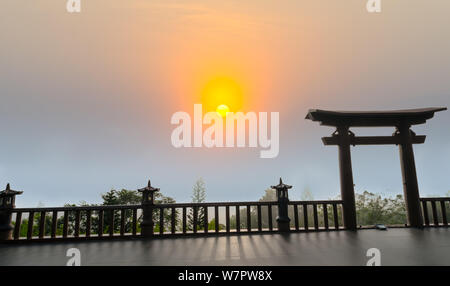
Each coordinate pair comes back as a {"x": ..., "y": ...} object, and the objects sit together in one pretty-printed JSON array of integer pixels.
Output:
[
  {"x": 325, "y": 215},
  {"x": 75, "y": 222},
  {"x": 95, "y": 222},
  {"x": 436, "y": 211}
]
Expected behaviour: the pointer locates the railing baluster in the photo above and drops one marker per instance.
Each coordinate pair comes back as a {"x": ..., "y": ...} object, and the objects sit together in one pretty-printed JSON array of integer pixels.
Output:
[
  {"x": 161, "y": 220},
  {"x": 152, "y": 213},
  {"x": 17, "y": 225},
  {"x": 173, "y": 220},
  {"x": 205, "y": 222},
  {"x": 425, "y": 213},
  {"x": 325, "y": 215},
  {"x": 194, "y": 227},
  {"x": 316, "y": 218},
  {"x": 77, "y": 223},
  {"x": 100, "y": 222},
  {"x": 227, "y": 218},
  {"x": 249, "y": 221},
  {"x": 305, "y": 216},
  {"x": 238, "y": 219},
  {"x": 435, "y": 216},
  {"x": 122, "y": 222},
  {"x": 88, "y": 223},
  {"x": 66, "y": 224},
  {"x": 259, "y": 218},
  {"x": 269, "y": 210},
  {"x": 111, "y": 224},
  {"x": 336, "y": 217},
  {"x": 54, "y": 224},
  {"x": 30, "y": 225},
  {"x": 184, "y": 219},
  {"x": 296, "y": 217},
  {"x": 42, "y": 225},
  {"x": 134, "y": 228},
  {"x": 216, "y": 218},
  {"x": 444, "y": 213}
]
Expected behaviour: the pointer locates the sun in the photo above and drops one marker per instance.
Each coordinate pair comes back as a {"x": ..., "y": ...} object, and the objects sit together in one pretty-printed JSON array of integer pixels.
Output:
[
  {"x": 222, "y": 94},
  {"x": 222, "y": 110}
]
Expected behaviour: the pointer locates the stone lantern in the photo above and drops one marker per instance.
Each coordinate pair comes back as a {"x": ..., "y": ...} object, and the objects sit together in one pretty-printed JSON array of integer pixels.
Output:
[
  {"x": 148, "y": 200},
  {"x": 283, "y": 219},
  {"x": 7, "y": 204}
]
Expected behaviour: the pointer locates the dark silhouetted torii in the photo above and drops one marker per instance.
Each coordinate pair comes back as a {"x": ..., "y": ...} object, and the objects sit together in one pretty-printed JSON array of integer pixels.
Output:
[{"x": 403, "y": 136}]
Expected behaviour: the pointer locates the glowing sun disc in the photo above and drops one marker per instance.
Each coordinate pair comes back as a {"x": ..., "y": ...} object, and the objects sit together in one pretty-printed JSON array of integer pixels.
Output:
[{"x": 222, "y": 110}]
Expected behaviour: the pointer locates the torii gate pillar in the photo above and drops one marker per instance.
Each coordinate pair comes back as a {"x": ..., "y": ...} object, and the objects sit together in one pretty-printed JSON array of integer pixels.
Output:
[
  {"x": 409, "y": 176},
  {"x": 346, "y": 178}
]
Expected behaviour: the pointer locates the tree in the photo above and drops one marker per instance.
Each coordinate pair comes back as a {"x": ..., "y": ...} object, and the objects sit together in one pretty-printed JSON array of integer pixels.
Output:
[
  {"x": 306, "y": 195},
  {"x": 373, "y": 209},
  {"x": 212, "y": 225},
  {"x": 269, "y": 196},
  {"x": 123, "y": 197},
  {"x": 198, "y": 196}
]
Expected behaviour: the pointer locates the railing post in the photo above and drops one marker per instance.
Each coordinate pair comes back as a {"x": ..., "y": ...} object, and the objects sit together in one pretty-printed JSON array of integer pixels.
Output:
[
  {"x": 7, "y": 204},
  {"x": 148, "y": 202},
  {"x": 283, "y": 219}
]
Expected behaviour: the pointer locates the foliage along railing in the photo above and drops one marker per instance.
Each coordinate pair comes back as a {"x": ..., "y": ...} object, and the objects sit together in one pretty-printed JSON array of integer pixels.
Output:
[
  {"x": 431, "y": 215},
  {"x": 87, "y": 222}
]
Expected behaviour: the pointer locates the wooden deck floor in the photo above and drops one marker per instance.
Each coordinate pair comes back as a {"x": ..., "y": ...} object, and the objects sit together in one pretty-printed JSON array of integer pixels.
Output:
[{"x": 400, "y": 246}]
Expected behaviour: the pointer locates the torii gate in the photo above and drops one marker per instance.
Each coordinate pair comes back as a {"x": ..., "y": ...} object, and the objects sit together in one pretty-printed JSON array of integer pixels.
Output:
[{"x": 402, "y": 120}]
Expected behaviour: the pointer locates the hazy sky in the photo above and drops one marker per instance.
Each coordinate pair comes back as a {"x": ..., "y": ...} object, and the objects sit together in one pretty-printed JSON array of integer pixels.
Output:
[{"x": 86, "y": 99}]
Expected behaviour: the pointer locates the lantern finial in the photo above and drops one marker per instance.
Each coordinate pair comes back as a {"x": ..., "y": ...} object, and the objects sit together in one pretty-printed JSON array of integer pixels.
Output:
[{"x": 281, "y": 185}]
